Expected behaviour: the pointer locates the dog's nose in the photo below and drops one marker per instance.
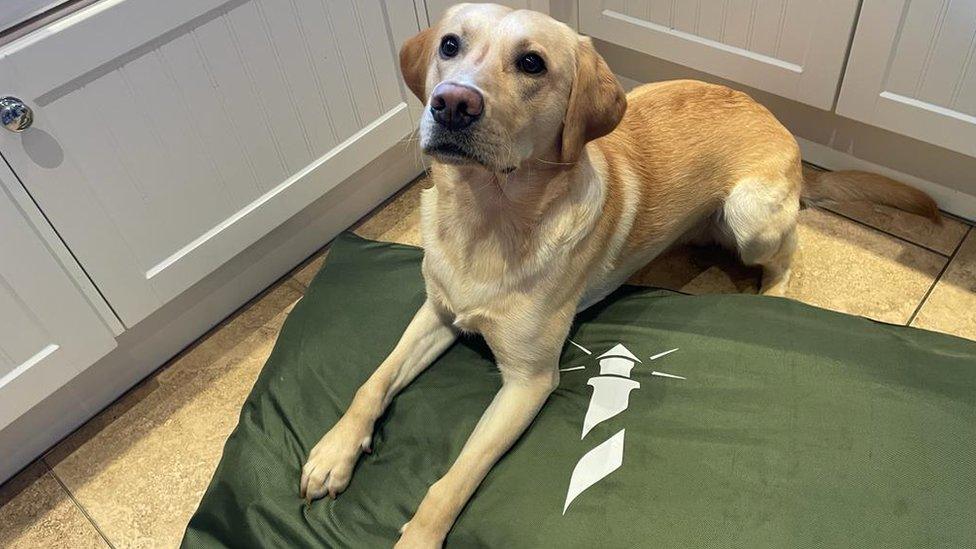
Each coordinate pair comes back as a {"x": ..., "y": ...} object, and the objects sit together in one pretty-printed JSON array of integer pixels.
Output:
[{"x": 455, "y": 106}]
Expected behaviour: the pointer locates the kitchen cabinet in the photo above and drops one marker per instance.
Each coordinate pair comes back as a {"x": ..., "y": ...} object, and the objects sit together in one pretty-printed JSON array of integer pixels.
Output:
[
  {"x": 912, "y": 70},
  {"x": 48, "y": 330},
  {"x": 17, "y": 11},
  {"x": 794, "y": 49},
  {"x": 436, "y": 8},
  {"x": 169, "y": 136},
  {"x": 166, "y": 139}
]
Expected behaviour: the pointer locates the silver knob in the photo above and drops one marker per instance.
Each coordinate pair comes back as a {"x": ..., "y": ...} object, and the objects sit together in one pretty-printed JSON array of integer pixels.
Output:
[{"x": 15, "y": 115}]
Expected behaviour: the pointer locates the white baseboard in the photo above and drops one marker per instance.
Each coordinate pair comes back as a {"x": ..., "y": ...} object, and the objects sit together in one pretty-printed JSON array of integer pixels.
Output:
[
  {"x": 153, "y": 341},
  {"x": 627, "y": 83},
  {"x": 950, "y": 200}
]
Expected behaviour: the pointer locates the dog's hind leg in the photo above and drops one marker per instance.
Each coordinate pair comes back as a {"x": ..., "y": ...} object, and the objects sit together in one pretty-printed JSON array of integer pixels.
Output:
[
  {"x": 758, "y": 220},
  {"x": 777, "y": 267}
]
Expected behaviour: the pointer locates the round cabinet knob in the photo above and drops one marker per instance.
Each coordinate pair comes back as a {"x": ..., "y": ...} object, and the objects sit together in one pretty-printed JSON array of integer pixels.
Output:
[{"x": 15, "y": 115}]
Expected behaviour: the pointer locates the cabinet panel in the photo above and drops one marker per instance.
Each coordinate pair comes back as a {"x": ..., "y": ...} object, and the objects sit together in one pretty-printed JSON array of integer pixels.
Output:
[
  {"x": 17, "y": 11},
  {"x": 436, "y": 8},
  {"x": 169, "y": 136},
  {"x": 48, "y": 331},
  {"x": 794, "y": 49},
  {"x": 912, "y": 70}
]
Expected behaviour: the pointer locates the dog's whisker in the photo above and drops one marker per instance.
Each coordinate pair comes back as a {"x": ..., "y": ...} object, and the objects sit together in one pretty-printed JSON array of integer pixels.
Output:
[{"x": 554, "y": 163}]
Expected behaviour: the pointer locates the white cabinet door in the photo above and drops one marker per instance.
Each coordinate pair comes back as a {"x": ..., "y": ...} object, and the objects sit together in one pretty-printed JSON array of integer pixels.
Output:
[
  {"x": 48, "y": 331},
  {"x": 17, "y": 11},
  {"x": 912, "y": 70},
  {"x": 169, "y": 136},
  {"x": 436, "y": 8},
  {"x": 791, "y": 48}
]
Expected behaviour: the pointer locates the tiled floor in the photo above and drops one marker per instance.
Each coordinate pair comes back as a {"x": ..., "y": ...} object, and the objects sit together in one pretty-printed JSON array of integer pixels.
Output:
[{"x": 133, "y": 475}]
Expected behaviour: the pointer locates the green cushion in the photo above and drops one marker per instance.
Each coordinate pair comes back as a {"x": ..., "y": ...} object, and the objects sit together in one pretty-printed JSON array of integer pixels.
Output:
[{"x": 794, "y": 427}]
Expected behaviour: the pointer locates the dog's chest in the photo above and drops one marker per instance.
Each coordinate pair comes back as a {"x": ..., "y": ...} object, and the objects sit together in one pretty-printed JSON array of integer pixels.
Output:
[
  {"x": 491, "y": 270},
  {"x": 476, "y": 290}
]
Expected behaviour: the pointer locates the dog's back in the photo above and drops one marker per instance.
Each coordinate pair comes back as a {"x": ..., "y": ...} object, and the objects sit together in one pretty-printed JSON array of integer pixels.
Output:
[{"x": 674, "y": 163}]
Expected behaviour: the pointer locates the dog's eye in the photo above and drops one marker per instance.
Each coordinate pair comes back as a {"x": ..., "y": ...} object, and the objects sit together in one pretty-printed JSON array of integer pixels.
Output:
[
  {"x": 450, "y": 45},
  {"x": 531, "y": 63}
]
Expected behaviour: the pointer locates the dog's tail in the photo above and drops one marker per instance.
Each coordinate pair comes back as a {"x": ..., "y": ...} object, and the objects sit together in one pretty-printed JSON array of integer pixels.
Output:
[{"x": 858, "y": 186}]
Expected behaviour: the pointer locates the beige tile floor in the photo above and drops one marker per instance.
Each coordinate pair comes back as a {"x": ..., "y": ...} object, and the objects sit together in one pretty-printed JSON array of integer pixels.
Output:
[{"x": 133, "y": 475}]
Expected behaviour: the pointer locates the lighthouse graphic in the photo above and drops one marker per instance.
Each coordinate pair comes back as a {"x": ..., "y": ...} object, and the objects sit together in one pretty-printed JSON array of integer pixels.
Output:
[{"x": 611, "y": 396}]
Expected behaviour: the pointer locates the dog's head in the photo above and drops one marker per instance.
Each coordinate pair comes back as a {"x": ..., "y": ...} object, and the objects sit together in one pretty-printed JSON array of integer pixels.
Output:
[{"x": 502, "y": 86}]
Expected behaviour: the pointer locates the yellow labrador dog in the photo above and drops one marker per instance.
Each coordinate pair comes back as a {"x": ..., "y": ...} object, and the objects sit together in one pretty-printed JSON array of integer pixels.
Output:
[{"x": 551, "y": 187}]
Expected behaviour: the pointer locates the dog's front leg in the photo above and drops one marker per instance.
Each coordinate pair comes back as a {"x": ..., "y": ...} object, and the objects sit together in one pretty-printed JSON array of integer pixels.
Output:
[
  {"x": 530, "y": 372},
  {"x": 331, "y": 462}
]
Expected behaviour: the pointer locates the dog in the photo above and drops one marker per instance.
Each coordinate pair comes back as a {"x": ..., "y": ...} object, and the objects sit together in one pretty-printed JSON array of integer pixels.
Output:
[{"x": 551, "y": 187}]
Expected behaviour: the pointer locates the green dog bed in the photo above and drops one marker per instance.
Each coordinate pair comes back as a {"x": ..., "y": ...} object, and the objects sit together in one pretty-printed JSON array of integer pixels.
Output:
[{"x": 773, "y": 424}]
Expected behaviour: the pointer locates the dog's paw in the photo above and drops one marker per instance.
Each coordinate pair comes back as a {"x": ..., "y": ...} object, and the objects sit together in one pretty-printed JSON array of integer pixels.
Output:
[{"x": 330, "y": 464}]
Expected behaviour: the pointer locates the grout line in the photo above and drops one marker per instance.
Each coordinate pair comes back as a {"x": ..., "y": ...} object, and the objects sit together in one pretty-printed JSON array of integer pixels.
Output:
[
  {"x": 949, "y": 258},
  {"x": 938, "y": 278},
  {"x": 283, "y": 279},
  {"x": 963, "y": 220},
  {"x": 78, "y": 504},
  {"x": 903, "y": 239},
  {"x": 882, "y": 231}
]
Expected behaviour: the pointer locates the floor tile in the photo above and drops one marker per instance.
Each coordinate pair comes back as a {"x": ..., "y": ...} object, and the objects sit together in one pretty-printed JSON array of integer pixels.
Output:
[
  {"x": 851, "y": 268},
  {"x": 839, "y": 265},
  {"x": 951, "y": 307},
  {"x": 140, "y": 467},
  {"x": 699, "y": 270},
  {"x": 398, "y": 219},
  {"x": 35, "y": 511},
  {"x": 941, "y": 238}
]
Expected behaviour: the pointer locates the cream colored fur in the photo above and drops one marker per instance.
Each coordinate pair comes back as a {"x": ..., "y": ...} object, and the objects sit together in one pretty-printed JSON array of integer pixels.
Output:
[{"x": 576, "y": 187}]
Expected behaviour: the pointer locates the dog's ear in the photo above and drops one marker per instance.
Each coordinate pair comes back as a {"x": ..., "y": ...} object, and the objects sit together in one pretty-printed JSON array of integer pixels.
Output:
[
  {"x": 596, "y": 102},
  {"x": 415, "y": 57}
]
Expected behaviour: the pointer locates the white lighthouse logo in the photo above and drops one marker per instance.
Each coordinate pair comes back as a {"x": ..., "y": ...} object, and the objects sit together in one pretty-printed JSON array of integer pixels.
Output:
[{"x": 611, "y": 396}]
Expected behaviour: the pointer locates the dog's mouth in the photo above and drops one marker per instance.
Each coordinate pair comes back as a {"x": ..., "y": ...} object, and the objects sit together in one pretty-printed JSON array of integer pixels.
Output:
[{"x": 450, "y": 152}]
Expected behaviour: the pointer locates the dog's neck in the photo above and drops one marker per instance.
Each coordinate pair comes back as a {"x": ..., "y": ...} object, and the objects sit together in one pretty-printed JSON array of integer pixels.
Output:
[
  {"x": 518, "y": 198},
  {"x": 513, "y": 214}
]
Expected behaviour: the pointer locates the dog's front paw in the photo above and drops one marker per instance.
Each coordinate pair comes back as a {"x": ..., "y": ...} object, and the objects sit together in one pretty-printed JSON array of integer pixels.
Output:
[{"x": 330, "y": 463}]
